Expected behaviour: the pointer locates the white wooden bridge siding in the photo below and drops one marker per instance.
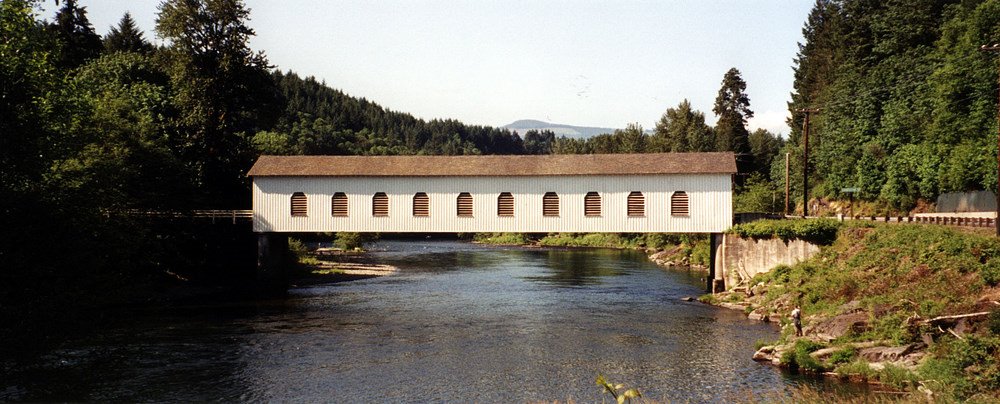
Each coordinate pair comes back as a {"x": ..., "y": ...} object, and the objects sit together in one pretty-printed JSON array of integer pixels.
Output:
[{"x": 709, "y": 195}]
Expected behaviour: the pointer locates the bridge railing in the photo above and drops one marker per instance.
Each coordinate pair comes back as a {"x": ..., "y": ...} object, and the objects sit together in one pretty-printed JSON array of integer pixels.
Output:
[{"x": 231, "y": 215}]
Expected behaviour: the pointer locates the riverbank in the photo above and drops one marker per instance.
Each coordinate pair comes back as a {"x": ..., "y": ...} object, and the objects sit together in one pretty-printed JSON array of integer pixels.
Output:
[
  {"x": 912, "y": 307},
  {"x": 663, "y": 249},
  {"x": 333, "y": 265}
]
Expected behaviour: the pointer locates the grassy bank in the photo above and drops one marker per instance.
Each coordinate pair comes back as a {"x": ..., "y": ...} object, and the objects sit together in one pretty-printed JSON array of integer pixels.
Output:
[
  {"x": 676, "y": 248},
  {"x": 914, "y": 307}
]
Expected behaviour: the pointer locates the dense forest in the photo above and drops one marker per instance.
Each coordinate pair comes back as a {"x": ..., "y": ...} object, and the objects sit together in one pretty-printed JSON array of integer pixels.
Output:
[{"x": 908, "y": 102}]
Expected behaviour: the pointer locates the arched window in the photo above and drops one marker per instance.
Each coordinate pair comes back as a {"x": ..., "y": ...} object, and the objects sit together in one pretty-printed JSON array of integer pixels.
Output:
[
  {"x": 592, "y": 204},
  {"x": 299, "y": 205},
  {"x": 550, "y": 204},
  {"x": 505, "y": 204},
  {"x": 380, "y": 204},
  {"x": 421, "y": 204},
  {"x": 339, "y": 204},
  {"x": 679, "y": 204},
  {"x": 636, "y": 204},
  {"x": 464, "y": 204}
]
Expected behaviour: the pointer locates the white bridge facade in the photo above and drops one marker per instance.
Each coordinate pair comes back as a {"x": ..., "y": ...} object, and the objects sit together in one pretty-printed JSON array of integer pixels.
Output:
[{"x": 634, "y": 193}]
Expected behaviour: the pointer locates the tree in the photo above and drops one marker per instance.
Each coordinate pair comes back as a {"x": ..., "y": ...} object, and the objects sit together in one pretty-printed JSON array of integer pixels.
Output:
[
  {"x": 536, "y": 142},
  {"x": 732, "y": 105},
  {"x": 126, "y": 37},
  {"x": 683, "y": 129},
  {"x": 631, "y": 140},
  {"x": 764, "y": 147},
  {"x": 222, "y": 89},
  {"x": 27, "y": 78},
  {"x": 79, "y": 43}
]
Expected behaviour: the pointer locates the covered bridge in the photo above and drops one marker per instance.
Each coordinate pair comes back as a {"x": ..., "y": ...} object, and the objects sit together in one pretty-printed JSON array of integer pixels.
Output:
[{"x": 618, "y": 193}]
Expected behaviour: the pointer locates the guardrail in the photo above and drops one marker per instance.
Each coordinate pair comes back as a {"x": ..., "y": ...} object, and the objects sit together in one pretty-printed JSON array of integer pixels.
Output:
[{"x": 938, "y": 220}]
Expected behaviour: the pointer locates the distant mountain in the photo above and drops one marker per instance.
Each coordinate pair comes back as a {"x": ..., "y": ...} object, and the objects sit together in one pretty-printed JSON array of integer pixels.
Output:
[{"x": 579, "y": 132}]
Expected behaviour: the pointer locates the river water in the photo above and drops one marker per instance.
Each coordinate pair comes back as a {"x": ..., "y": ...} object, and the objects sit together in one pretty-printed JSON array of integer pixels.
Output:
[{"x": 458, "y": 323}]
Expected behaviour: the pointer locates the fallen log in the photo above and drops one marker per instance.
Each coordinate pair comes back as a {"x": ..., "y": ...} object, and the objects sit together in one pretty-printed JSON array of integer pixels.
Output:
[{"x": 954, "y": 317}]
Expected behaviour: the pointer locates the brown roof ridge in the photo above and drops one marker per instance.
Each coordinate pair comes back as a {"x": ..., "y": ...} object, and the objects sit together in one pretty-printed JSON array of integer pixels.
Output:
[{"x": 497, "y": 165}]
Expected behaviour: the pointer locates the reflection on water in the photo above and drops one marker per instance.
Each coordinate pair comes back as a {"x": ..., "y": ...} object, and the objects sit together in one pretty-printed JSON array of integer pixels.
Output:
[{"x": 458, "y": 323}]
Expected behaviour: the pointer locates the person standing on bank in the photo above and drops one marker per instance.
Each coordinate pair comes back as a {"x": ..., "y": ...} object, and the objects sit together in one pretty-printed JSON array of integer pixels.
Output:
[{"x": 797, "y": 320}]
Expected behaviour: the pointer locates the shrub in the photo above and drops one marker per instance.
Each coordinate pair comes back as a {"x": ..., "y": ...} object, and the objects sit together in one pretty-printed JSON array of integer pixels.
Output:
[
  {"x": 351, "y": 241},
  {"x": 501, "y": 238},
  {"x": 817, "y": 231},
  {"x": 845, "y": 355},
  {"x": 798, "y": 357},
  {"x": 700, "y": 253},
  {"x": 993, "y": 323},
  {"x": 897, "y": 377},
  {"x": 991, "y": 272}
]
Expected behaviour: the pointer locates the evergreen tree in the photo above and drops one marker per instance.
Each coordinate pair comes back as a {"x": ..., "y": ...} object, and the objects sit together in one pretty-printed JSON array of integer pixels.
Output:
[
  {"x": 126, "y": 37},
  {"x": 815, "y": 61},
  {"x": 78, "y": 41},
  {"x": 682, "y": 129},
  {"x": 732, "y": 105},
  {"x": 631, "y": 140}
]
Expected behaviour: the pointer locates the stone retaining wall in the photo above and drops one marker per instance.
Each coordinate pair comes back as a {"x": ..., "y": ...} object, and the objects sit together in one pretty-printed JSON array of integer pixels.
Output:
[{"x": 740, "y": 259}]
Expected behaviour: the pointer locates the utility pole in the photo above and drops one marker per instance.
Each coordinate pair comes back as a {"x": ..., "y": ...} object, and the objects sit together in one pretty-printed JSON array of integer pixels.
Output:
[
  {"x": 786, "y": 183},
  {"x": 996, "y": 221},
  {"x": 805, "y": 159}
]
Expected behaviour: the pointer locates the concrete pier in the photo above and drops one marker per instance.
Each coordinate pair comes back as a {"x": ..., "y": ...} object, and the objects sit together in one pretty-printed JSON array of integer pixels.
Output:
[{"x": 273, "y": 262}]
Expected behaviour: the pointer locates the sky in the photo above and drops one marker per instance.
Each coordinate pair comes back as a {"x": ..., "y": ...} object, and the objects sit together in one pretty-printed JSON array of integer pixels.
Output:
[{"x": 486, "y": 62}]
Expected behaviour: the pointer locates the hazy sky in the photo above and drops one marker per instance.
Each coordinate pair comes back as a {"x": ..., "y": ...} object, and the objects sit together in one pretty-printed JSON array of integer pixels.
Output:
[{"x": 589, "y": 63}]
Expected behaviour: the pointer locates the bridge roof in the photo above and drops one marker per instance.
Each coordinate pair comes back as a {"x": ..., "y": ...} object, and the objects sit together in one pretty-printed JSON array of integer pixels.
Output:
[{"x": 495, "y": 165}]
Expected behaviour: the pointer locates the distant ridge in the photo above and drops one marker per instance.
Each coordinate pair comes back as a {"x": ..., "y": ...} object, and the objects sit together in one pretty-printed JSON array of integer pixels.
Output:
[{"x": 579, "y": 132}]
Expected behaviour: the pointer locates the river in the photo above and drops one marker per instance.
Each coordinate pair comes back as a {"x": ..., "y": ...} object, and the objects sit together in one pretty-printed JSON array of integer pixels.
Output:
[{"x": 458, "y": 323}]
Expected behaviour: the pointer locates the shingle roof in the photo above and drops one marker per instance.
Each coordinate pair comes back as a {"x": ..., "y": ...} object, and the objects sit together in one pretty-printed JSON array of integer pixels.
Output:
[{"x": 495, "y": 165}]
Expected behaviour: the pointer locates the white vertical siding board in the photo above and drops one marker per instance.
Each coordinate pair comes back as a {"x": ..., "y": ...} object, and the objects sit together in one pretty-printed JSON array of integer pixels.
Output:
[{"x": 709, "y": 195}]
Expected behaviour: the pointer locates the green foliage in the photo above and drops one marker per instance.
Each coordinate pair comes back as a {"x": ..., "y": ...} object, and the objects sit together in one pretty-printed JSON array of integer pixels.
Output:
[
  {"x": 857, "y": 368},
  {"x": 908, "y": 103},
  {"x": 701, "y": 253},
  {"x": 798, "y": 357},
  {"x": 760, "y": 343},
  {"x": 536, "y": 142},
  {"x": 222, "y": 90},
  {"x": 126, "y": 37},
  {"x": 611, "y": 240},
  {"x": 618, "y": 391},
  {"x": 732, "y": 106},
  {"x": 620, "y": 240},
  {"x": 898, "y": 377},
  {"x": 683, "y": 129},
  {"x": 352, "y": 241},
  {"x": 764, "y": 149},
  {"x": 318, "y": 119},
  {"x": 817, "y": 231},
  {"x": 758, "y": 195},
  {"x": 78, "y": 43},
  {"x": 845, "y": 355},
  {"x": 960, "y": 367},
  {"x": 993, "y": 323},
  {"x": 501, "y": 238},
  {"x": 901, "y": 271}
]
